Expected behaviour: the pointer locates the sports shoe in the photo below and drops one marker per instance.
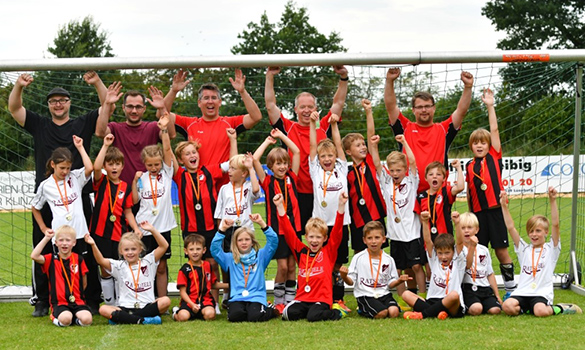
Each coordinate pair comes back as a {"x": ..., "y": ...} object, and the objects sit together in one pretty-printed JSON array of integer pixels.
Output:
[
  {"x": 342, "y": 305},
  {"x": 152, "y": 320},
  {"x": 175, "y": 310},
  {"x": 506, "y": 296},
  {"x": 41, "y": 309},
  {"x": 442, "y": 315},
  {"x": 224, "y": 304},
  {"x": 569, "y": 309},
  {"x": 279, "y": 309},
  {"x": 342, "y": 311},
  {"x": 412, "y": 315}
]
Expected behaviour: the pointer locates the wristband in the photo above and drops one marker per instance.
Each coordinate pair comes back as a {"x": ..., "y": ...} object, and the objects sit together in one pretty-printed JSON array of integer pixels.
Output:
[
  {"x": 164, "y": 131},
  {"x": 344, "y": 79}
]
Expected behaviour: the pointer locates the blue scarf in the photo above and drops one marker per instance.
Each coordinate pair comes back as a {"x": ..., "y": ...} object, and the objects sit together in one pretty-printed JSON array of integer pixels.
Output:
[{"x": 248, "y": 258}]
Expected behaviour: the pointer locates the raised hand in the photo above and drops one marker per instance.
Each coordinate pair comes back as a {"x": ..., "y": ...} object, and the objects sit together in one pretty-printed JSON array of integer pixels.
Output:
[
  {"x": 375, "y": 139},
  {"x": 425, "y": 216},
  {"x": 238, "y": 82},
  {"x": 333, "y": 119},
  {"x": 487, "y": 97},
  {"x": 108, "y": 140},
  {"x": 113, "y": 94},
  {"x": 455, "y": 163},
  {"x": 315, "y": 116},
  {"x": 273, "y": 71},
  {"x": 455, "y": 217},
  {"x": 276, "y": 133},
  {"x": 393, "y": 73},
  {"x": 400, "y": 139},
  {"x": 157, "y": 96},
  {"x": 24, "y": 80},
  {"x": 467, "y": 79},
  {"x": 366, "y": 104},
  {"x": 91, "y": 77},
  {"x": 179, "y": 81},
  {"x": 231, "y": 133},
  {"x": 77, "y": 141},
  {"x": 163, "y": 121},
  {"x": 226, "y": 224},
  {"x": 552, "y": 192},
  {"x": 341, "y": 71},
  {"x": 146, "y": 226},
  {"x": 88, "y": 239}
]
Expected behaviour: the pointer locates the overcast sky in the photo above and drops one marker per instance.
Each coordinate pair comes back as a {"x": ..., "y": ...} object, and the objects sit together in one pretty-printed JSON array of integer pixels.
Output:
[{"x": 207, "y": 28}]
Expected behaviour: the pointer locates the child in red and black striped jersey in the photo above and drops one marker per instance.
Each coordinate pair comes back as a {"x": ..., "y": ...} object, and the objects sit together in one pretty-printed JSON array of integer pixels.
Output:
[
  {"x": 366, "y": 202},
  {"x": 67, "y": 277},
  {"x": 283, "y": 181},
  {"x": 484, "y": 183},
  {"x": 195, "y": 281},
  {"x": 316, "y": 263},
  {"x": 112, "y": 214}
]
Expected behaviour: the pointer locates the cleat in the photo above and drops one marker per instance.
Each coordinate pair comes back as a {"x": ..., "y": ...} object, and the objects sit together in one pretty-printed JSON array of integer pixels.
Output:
[
  {"x": 279, "y": 309},
  {"x": 506, "y": 296},
  {"x": 442, "y": 315},
  {"x": 175, "y": 310},
  {"x": 412, "y": 315},
  {"x": 569, "y": 309},
  {"x": 340, "y": 308},
  {"x": 152, "y": 320},
  {"x": 41, "y": 309},
  {"x": 342, "y": 305}
]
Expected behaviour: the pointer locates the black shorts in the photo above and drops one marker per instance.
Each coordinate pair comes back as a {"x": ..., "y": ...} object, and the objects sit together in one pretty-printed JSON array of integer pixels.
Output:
[
  {"x": 150, "y": 310},
  {"x": 422, "y": 305},
  {"x": 107, "y": 247},
  {"x": 370, "y": 306},
  {"x": 406, "y": 254},
  {"x": 483, "y": 295},
  {"x": 208, "y": 235},
  {"x": 151, "y": 245},
  {"x": 74, "y": 309},
  {"x": 198, "y": 315},
  {"x": 357, "y": 237},
  {"x": 343, "y": 250},
  {"x": 527, "y": 303},
  {"x": 492, "y": 228},
  {"x": 305, "y": 209},
  {"x": 283, "y": 250}
]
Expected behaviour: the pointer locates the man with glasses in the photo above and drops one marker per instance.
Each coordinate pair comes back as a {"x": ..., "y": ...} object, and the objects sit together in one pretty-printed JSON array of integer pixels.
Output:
[
  {"x": 48, "y": 134},
  {"x": 429, "y": 141}
]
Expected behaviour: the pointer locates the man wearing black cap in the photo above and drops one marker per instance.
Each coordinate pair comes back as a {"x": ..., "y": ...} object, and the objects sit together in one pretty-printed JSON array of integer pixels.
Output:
[{"x": 49, "y": 134}]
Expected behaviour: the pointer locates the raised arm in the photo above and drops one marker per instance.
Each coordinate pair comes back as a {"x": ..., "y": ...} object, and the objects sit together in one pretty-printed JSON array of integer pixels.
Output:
[
  {"x": 460, "y": 186},
  {"x": 233, "y": 136},
  {"x": 78, "y": 143},
  {"x": 179, "y": 83},
  {"x": 137, "y": 176},
  {"x": 470, "y": 250},
  {"x": 292, "y": 147},
  {"x": 488, "y": 99},
  {"x": 270, "y": 96},
  {"x": 258, "y": 155},
  {"x": 249, "y": 163},
  {"x": 464, "y": 100},
  {"x": 160, "y": 240},
  {"x": 343, "y": 271},
  {"x": 92, "y": 78},
  {"x": 341, "y": 93},
  {"x": 554, "y": 216},
  {"x": 508, "y": 218},
  {"x": 168, "y": 155},
  {"x": 113, "y": 94},
  {"x": 15, "y": 107},
  {"x": 313, "y": 135},
  {"x": 390, "y": 95},
  {"x": 458, "y": 233},
  {"x": 336, "y": 137},
  {"x": 254, "y": 115},
  {"x": 409, "y": 154},
  {"x": 424, "y": 220},
  {"x": 157, "y": 102},
  {"x": 99, "y": 258},
  {"x": 37, "y": 253},
  {"x": 99, "y": 160},
  {"x": 370, "y": 125}
]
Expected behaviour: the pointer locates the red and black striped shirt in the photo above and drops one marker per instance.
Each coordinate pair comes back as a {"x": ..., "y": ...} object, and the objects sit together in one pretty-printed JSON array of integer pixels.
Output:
[
  {"x": 439, "y": 206},
  {"x": 487, "y": 170},
  {"x": 375, "y": 207},
  {"x": 75, "y": 269},
  {"x": 198, "y": 284},
  {"x": 289, "y": 192},
  {"x": 121, "y": 195}
]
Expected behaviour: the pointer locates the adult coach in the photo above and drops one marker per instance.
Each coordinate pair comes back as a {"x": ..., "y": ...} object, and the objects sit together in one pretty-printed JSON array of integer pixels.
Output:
[
  {"x": 210, "y": 129},
  {"x": 48, "y": 134},
  {"x": 132, "y": 135},
  {"x": 429, "y": 141},
  {"x": 298, "y": 132}
]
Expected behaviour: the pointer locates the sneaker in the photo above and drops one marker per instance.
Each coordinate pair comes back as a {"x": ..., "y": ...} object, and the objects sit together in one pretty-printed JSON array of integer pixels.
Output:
[
  {"x": 412, "y": 315},
  {"x": 340, "y": 308},
  {"x": 569, "y": 309},
  {"x": 506, "y": 296},
  {"x": 41, "y": 309},
  {"x": 152, "y": 320},
  {"x": 342, "y": 305},
  {"x": 224, "y": 304},
  {"x": 175, "y": 310},
  {"x": 442, "y": 315},
  {"x": 279, "y": 309},
  {"x": 217, "y": 309}
]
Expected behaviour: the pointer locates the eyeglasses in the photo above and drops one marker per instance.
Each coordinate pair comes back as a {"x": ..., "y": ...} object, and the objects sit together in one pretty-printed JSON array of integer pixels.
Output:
[
  {"x": 62, "y": 101},
  {"x": 131, "y": 107},
  {"x": 418, "y": 108}
]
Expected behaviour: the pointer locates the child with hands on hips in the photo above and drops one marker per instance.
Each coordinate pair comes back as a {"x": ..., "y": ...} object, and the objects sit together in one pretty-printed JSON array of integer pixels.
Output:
[
  {"x": 246, "y": 264},
  {"x": 373, "y": 272},
  {"x": 67, "y": 277},
  {"x": 444, "y": 297},
  {"x": 135, "y": 278}
]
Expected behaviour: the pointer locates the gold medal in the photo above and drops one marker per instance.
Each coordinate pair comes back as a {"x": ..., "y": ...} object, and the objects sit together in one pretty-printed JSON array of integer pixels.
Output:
[
  {"x": 483, "y": 187},
  {"x": 71, "y": 299},
  {"x": 68, "y": 217},
  {"x": 474, "y": 288},
  {"x": 397, "y": 220},
  {"x": 362, "y": 201},
  {"x": 324, "y": 204},
  {"x": 155, "y": 211},
  {"x": 307, "y": 289},
  {"x": 112, "y": 218},
  {"x": 137, "y": 305},
  {"x": 238, "y": 222},
  {"x": 245, "y": 293},
  {"x": 197, "y": 206},
  {"x": 434, "y": 230},
  {"x": 376, "y": 295}
]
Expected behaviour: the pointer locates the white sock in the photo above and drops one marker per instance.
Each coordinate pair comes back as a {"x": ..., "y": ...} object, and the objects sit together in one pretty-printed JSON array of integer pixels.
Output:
[{"x": 108, "y": 290}]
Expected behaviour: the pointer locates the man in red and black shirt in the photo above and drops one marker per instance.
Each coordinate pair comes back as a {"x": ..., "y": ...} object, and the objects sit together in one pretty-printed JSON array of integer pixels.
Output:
[{"x": 429, "y": 141}]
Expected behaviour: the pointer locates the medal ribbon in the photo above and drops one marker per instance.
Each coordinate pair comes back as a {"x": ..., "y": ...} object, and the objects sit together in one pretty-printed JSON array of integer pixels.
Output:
[
  {"x": 69, "y": 282},
  {"x": 64, "y": 200},
  {"x": 280, "y": 191},
  {"x": 474, "y": 267},
  {"x": 135, "y": 279},
  {"x": 308, "y": 271},
  {"x": 196, "y": 190},
  {"x": 326, "y": 182},
  {"x": 481, "y": 171},
  {"x": 235, "y": 201},
  {"x": 535, "y": 267},
  {"x": 154, "y": 192},
  {"x": 197, "y": 283},
  {"x": 360, "y": 177},
  {"x": 447, "y": 279},
  {"x": 394, "y": 197},
  {"x": 372, "y": 269},
  {"x": 434, "y": 211},
  {"x": 246, "y": 275},
  {"x": 112, "y": 205}
]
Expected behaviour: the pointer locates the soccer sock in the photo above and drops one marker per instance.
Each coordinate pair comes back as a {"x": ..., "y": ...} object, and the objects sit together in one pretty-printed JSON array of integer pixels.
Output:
[
  {"x": 413, "y": 290},
  {"x": 108, "y": 290},
  {"x": 279, "y": 293},
  {"x": 290, "y": 291},
  {"x": 338, "y": 287},
  {"x": 434, "y": 310},
  {"x": 57, "y": 323},
  {"x": 121, "y": 316},
  {"x": 507, "y": 271},
  {"x": 79, "y": 323}
]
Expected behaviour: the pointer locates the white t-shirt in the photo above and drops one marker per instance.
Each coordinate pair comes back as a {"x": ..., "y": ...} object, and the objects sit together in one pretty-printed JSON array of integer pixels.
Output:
[
  {"x": 164, "y": 220},
  {"x": 49, "y": 193},
  {"x": 541, "y": 284},
  {"x": 446, "y": 279},
  {"x": 336, "y": 184},
  {"x": 408, "y": 229},
  {"x": 483, "y": 268},
  {"x": 226, "y": 205},
  {"x": 129, "y": 294},
  {"x": 364, "y": 277}
]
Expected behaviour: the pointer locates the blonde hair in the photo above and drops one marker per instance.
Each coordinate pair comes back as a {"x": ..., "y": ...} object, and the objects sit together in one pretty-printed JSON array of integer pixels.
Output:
[
  {"x": 468, "y": 219},
  {"x": 535, "y": 221},
  {"x": 275, "y": 155},
  {"x": 183, "y": 144},
  {"x": 67, "y": 231},
  {"x": 237, "y": 161},
  {"x": 436, "y": 165},
  {"x": 152, "y": 151},
  {"x": 132, "y": 238},
  {"x": 373, "y": 226},
  {"x": 316, "y": 224},
  {"x": 326, "y": 145},
  {"x": 396, "y": 157},
  {"x": 348, "y": 139},
  {"x": 479, "y": 135},
  {"x": 234, "y": 242}
]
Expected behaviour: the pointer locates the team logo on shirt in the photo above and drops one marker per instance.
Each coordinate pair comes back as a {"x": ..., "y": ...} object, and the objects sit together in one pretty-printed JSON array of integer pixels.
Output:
[
  {"x": 144, "y": 270},
  {"x": 439, "y": 282},
  {"x": 202, "y": 177},
  {"x": 74, "y": 268},
  {"x": 316, "y": 270},
  {"x": 482, "y": 259},
  {"x": 121, "y": 194},
  {"x": 528, "y": 269},
  {"x": 439, "y": 198}
]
